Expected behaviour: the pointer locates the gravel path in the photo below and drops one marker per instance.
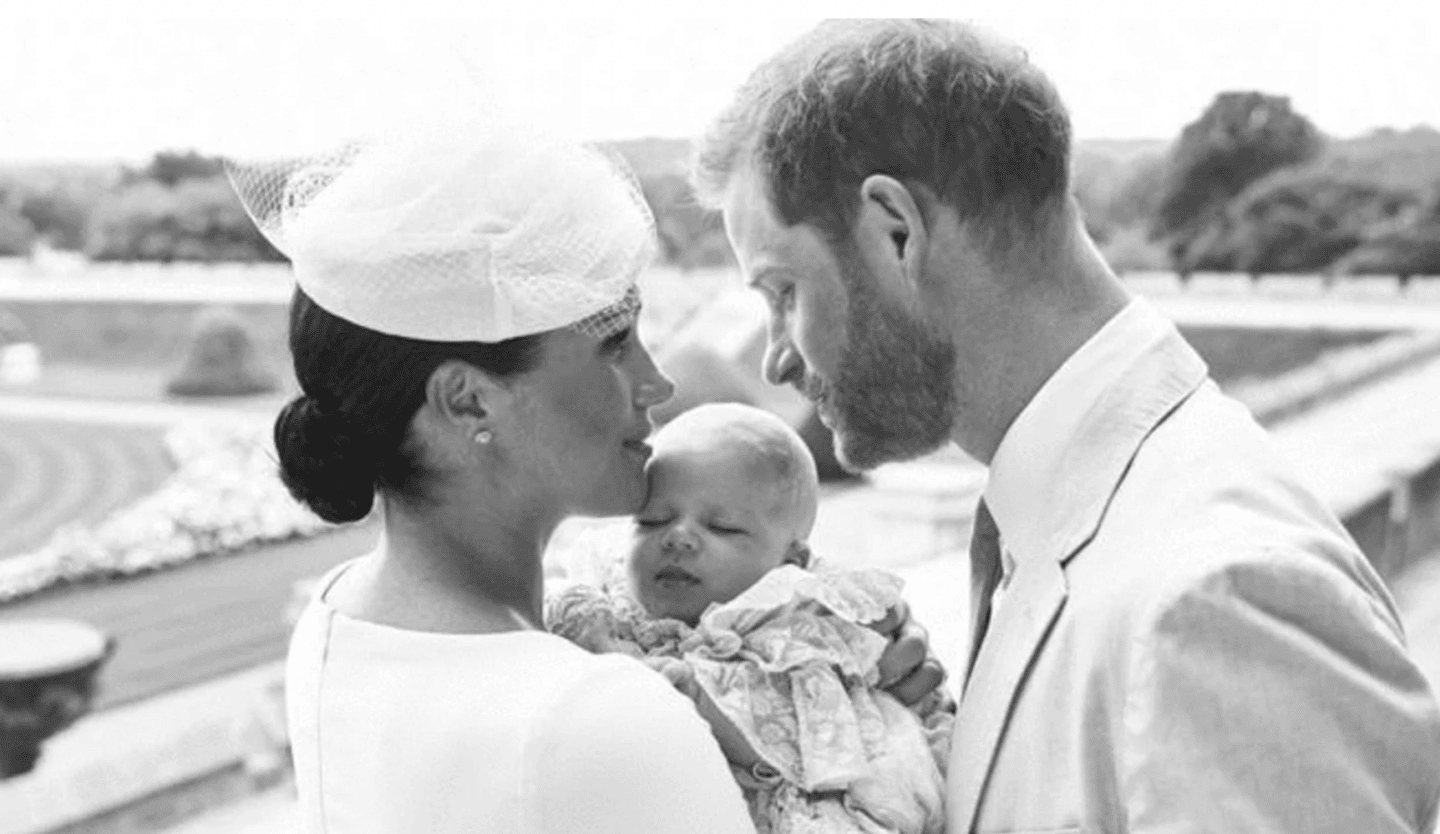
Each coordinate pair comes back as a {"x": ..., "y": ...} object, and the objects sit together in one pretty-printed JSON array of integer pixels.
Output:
[{"x": 199, "y": 621}]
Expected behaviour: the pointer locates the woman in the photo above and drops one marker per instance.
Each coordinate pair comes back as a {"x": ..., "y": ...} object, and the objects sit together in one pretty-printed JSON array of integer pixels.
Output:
[{"x": 463, "y": 331}]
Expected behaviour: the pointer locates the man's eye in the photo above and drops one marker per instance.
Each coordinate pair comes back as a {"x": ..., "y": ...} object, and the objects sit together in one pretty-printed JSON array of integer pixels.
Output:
[{"x": 781, "y": 299}]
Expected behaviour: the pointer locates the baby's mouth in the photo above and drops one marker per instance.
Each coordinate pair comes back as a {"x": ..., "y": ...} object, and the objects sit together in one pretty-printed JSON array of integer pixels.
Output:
[{"x": 674, "y": 577}]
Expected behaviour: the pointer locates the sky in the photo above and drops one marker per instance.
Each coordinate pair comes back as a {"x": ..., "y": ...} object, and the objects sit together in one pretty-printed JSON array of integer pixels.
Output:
[{"x": 103, "y": 85}]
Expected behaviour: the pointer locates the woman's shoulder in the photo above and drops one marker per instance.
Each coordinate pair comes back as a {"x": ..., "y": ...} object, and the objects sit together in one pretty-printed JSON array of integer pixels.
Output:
[
  {"x": 543, "y": 666},
  {"x": 610, "y": 687}
]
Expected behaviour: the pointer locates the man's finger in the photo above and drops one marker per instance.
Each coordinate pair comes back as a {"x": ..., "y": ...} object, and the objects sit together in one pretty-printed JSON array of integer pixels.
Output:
[
  {"x": 919, "y": 684},
  {"x": 907, "y": 650},
  {"x": 894, "y": 618}
]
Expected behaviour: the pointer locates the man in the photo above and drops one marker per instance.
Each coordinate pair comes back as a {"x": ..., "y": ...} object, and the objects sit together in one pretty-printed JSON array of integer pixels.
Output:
[{"x": 1172, "y": 634}]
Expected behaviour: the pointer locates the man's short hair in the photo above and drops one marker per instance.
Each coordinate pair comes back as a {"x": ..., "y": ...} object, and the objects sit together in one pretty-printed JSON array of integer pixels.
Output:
[{"x": 938, "y": 104}]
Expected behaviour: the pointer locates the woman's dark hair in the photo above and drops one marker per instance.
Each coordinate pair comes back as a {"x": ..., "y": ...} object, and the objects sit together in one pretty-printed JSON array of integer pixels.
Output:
[{"x": 348, "y": 433}]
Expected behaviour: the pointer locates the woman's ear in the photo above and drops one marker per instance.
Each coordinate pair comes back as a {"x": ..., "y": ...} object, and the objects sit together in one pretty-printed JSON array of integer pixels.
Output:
[
  {"x": 798, "y": 555},
  {"x": 890, "y": 232},
  {"x": 464, "y": 397}
]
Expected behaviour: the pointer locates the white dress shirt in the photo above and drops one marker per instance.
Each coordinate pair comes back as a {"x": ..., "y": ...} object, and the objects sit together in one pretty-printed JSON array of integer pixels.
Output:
[{"x": 1032, "y": 452}]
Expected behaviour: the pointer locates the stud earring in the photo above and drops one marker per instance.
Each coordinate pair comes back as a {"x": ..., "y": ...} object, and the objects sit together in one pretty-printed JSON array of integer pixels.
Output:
[{"x": 483, "y": 436}]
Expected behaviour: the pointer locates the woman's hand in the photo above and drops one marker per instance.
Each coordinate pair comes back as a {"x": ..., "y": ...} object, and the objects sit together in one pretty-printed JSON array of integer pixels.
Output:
[{"x": 907, "y": 668}]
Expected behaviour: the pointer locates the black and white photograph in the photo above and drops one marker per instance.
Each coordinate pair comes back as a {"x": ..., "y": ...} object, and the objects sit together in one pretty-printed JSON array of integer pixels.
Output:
[{"x": 439, "y": 418}]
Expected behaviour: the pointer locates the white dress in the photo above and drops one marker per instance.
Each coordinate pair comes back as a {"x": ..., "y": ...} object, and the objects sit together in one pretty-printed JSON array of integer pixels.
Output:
[{"x": 515, "y": 733}]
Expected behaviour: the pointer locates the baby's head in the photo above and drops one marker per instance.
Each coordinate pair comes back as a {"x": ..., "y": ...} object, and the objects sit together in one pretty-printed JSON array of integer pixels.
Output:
[{"x": 733, "y": 495}]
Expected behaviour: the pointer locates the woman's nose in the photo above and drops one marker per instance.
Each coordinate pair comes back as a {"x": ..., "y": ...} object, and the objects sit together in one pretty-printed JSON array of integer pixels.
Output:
[
  {"x": 651, "y": 394},
  {"x": 651, "y": 386}
]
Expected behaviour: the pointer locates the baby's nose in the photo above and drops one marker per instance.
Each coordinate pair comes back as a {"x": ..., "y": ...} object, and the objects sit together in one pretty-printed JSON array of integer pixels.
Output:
[{"x": 679, "y": 539}]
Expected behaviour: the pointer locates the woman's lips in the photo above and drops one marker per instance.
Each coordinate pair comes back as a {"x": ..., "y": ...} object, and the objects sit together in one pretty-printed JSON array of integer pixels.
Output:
[{"x": 637, "y": 447}]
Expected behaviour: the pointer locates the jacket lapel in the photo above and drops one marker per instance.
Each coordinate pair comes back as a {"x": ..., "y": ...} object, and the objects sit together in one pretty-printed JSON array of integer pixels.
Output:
[
  {"x": 1017, "y": 631},
  {"x": 1154, "y": 381}
]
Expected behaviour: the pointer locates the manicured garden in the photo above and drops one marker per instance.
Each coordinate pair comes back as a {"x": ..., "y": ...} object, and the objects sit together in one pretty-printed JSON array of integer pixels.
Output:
[{"x": 222, "y": 496}]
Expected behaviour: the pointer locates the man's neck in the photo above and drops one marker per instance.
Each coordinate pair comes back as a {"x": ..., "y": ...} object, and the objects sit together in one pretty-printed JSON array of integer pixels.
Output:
[{"x": 1034, "y": 325}]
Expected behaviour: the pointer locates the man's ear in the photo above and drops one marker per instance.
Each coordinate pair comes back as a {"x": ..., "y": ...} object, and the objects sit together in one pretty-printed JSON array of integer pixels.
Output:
[
  {"x": 464, "y": 397},
  {"x": 798, "y": 555},
  {"x": 890, "y": 232}
]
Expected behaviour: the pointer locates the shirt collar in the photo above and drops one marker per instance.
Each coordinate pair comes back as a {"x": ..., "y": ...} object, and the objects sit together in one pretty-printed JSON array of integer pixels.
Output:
[{"x": 1061, "y": 459}]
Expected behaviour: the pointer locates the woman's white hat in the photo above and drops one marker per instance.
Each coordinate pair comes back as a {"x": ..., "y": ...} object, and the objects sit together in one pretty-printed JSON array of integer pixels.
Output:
[{"x": 459, "y": 232}]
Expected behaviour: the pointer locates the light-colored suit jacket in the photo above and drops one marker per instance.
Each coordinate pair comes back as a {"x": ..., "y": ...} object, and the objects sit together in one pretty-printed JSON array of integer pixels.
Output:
[{"x": 1200, "y": 647}]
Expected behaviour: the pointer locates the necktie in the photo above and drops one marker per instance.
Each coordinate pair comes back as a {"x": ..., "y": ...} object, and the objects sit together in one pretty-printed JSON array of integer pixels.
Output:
[{"x": 985, "y": 572}]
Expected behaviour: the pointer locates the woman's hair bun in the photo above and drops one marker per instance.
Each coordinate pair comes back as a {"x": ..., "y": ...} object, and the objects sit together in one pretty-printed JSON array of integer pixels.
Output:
[{"x": 322, "y": 464}]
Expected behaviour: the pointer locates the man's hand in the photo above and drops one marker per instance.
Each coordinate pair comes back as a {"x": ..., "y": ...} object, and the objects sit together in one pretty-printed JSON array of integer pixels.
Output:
[{"x": 907, "y": 668}]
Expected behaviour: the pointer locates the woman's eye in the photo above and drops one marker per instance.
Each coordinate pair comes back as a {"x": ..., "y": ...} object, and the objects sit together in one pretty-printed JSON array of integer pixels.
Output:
[{"x": 617, "y": 344}]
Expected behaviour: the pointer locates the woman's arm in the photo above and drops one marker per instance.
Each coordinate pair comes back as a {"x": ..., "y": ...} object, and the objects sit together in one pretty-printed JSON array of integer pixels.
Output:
[{"x": 623, "y": 752}]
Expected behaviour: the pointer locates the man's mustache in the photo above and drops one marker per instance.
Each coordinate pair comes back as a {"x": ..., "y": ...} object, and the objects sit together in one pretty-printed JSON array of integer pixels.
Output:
[{"x": 813, "y": 387}]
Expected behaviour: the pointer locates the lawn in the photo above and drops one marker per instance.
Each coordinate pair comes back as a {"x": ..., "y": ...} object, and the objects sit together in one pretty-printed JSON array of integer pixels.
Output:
[{"x": 53, "y": 474}]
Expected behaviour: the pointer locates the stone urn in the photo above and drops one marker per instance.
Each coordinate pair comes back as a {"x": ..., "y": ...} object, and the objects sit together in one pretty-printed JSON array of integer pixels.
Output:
[{"x": 47, "y": 681}]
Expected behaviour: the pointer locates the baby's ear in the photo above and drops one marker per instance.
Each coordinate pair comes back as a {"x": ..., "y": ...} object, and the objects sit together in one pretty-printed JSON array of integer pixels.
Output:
[{"x": 798, "y": 555}]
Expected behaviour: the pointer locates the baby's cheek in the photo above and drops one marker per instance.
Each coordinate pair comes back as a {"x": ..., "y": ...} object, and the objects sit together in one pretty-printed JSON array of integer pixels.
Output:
[{"x": 635, "y": 562}]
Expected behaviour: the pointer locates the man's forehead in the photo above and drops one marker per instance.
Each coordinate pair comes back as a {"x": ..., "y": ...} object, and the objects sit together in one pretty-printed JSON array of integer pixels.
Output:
[
  {"x": 762, "y": 242},
  {"x": 749, "y": 215}
]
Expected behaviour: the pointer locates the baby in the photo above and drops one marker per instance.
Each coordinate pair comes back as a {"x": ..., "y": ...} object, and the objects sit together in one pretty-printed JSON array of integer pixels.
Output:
[
  {"x": 720, "y": 597},
  {"x": 733, "y": 495}
]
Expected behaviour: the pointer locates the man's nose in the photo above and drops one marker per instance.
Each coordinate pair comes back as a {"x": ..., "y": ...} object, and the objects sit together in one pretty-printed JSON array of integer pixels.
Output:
[{"x": 782, "y": 362}]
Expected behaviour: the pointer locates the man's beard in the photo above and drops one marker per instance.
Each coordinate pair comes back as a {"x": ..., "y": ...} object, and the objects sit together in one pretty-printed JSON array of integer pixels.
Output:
[{"x": 893, "y": 395}]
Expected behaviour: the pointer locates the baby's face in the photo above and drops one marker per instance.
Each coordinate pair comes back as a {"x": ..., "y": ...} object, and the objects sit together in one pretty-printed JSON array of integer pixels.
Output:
[{"x": 709, "y": 530}]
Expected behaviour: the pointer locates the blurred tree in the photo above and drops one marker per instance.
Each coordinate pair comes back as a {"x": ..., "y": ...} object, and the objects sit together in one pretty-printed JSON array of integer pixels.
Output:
[
  {"x": 1406, "y": 245},
  {"x": 172, "y": 167},
  {"x": 1295, "y": 220},
  {"x": 197, "y": 220},
  {"x": 17, "y": 234},
  {"x": 1241, "y": 137},
  {"x": 55, "y": 200},
  {"x": 60, "y": 214},
  {"x": 1406, "y": 253}
]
